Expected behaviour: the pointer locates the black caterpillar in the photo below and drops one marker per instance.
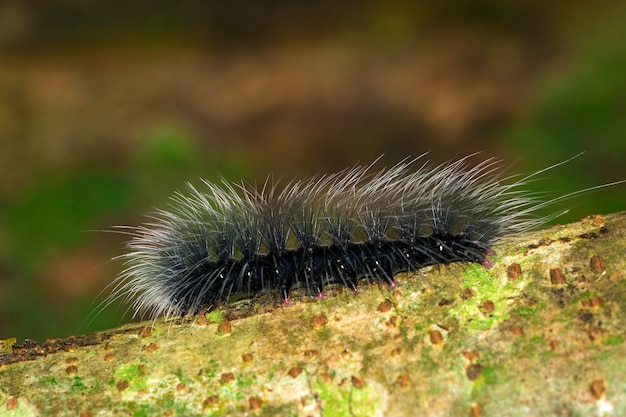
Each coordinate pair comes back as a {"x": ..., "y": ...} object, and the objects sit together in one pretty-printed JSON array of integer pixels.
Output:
[{"x": 359, "y": 223}]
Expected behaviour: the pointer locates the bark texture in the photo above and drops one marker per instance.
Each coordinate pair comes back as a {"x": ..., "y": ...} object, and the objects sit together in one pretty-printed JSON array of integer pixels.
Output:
[{"x": 539, "y": 333}]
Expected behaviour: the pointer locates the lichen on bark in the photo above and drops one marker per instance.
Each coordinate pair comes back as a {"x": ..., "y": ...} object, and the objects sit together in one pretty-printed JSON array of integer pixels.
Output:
[{"x": 539, "y": 333}]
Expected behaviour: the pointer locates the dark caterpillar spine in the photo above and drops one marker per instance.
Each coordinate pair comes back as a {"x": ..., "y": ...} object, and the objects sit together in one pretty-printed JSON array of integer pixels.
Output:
[{"x": 345, "y": 264}]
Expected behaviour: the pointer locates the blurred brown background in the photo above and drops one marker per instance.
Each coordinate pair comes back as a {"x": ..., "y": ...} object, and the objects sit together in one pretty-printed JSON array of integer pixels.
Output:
[{"x": 107, "y": 107}]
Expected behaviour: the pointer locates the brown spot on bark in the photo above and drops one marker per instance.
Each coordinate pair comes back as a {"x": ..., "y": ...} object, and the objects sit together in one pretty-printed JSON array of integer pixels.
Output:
[
  {"x": 445, "y": 302},
  {"x": 357, "y": 382},
  {"x": 392, "y": 322},
  {"x": 596, "y": 334},
  {"x": 593, "y": 302},
  {"x": 319, "y": 321},
  {"x": 385, "y": 306},
  {"x": 436, "y": 338},
  {"x": 467, "y": 293},
  {"x": 255, "y": 403},
  {"x": 473, "y": 371},
  {"x": 597, "y": 388},
  {"x": 227, "y": 377},
  {"x": 210, "y": 401},
  {"x": 471, "y": 356},
  {"x": 145, "y": 331},
  {"x": 325, "y": 377},
  {"x": 295, "y": 371},
  {"x": 597, "y": 264},
  {"x": 487, "y": 307},
  {"x": 201, "y": 319},
  {"x": 11, "y": 403},
  {"x": 224, "y": 327},
  {"x": 476, "y": 411},
  {"x": 557, "y": 276},
  {"x": 514, "y": 272},
  {"x": 403, "y": 380}
]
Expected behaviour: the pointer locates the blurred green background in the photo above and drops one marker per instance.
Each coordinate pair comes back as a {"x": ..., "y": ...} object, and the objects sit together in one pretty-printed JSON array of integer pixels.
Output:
[{"x": 107, "y": 107}]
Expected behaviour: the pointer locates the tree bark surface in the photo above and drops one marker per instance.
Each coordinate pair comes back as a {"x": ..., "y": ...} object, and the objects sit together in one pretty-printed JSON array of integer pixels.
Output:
[{"x": 539, "y": 333}]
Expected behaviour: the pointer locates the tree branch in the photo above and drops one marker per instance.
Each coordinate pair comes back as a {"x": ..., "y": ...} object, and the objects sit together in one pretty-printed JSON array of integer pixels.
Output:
[{"x": 539, "y": 333}]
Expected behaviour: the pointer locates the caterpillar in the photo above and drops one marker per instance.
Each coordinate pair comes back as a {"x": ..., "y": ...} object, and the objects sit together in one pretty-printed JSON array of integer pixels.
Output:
[{"x": 228, "y": 239}]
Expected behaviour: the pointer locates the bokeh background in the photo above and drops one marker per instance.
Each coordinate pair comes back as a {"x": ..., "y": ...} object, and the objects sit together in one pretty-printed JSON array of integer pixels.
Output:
[{"x": 106, "y": 107}]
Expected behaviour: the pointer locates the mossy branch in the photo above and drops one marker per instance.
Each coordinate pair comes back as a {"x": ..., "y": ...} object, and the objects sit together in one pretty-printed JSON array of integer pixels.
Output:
[{"x": 539, "y": 333}]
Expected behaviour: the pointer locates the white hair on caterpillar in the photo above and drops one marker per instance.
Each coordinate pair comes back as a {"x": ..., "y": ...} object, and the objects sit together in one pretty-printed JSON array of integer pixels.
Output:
[{"x": 237, "y": 239}]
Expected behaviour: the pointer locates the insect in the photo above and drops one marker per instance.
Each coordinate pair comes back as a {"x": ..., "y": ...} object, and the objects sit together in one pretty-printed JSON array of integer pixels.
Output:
[{"x": 227, "y": 239}]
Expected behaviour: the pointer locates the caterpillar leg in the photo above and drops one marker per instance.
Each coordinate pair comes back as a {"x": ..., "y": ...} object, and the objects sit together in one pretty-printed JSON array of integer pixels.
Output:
[{"x": 486, "y": 262}]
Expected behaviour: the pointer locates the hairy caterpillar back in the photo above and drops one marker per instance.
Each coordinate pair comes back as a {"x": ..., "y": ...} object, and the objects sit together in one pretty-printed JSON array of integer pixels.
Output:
[{"x": 229, "y": 239}]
